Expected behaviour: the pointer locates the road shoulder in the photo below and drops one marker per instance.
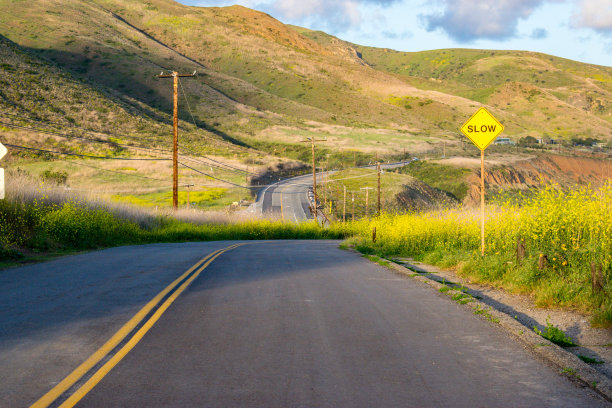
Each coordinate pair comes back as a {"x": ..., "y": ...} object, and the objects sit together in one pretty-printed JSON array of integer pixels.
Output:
[{"x": 469, "y": 295}]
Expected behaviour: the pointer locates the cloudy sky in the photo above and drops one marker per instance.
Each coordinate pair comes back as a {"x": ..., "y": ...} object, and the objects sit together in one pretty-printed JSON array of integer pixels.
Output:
[{"x": 577, "y": 29}]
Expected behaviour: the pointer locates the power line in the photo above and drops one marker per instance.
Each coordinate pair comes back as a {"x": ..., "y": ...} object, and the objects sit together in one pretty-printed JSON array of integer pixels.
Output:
[
  {"x": 196, "y": 126},
  {"x": 217, "y": 178},
  {"x": 231, "y": 170},
  {"x": 82, "y": 155},
  {"x": 50, "y": 132},
  {"x": 67, "y": 136},
  {"x": 115, "y": 171},
  {"x": 45, "y": 131},
  {"x": 193, "y": 119}
]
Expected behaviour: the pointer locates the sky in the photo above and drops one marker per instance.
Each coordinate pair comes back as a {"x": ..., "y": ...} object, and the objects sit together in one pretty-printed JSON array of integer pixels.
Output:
[{"x": 580, "y": 30}]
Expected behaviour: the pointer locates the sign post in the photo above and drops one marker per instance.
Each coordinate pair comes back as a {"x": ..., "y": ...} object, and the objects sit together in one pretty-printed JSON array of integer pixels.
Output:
[
  {"x": 2, "y": 154},
  {"x": 482, "y": 128}
]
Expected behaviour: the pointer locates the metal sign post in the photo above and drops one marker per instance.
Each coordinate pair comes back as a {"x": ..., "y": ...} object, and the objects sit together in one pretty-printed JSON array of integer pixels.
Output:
[{"x": 482, "y": 128}]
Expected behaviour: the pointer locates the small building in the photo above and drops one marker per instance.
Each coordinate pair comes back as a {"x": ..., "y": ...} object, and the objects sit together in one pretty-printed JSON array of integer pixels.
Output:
[{"x": 504, "y": 141}]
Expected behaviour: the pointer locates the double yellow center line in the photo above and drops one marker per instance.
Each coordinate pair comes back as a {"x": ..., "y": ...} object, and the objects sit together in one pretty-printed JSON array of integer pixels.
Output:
[{"x": 107, "y": 356}]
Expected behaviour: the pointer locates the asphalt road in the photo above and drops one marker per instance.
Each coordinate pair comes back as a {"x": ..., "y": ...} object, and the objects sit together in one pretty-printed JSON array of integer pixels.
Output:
[
  {"x": 288, "y": 201},
  {"x": 267, "y": 324}
]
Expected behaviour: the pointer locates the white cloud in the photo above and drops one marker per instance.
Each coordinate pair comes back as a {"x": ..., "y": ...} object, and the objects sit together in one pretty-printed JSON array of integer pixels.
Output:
[
  {"x": 468, "y": 20},
  {"x": 595, "y": 14},
  {"x": 336, "y": 16}
]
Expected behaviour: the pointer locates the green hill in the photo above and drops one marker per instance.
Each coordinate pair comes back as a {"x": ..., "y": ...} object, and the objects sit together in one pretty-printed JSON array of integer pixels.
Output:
[{"x": 263, "y": 83}]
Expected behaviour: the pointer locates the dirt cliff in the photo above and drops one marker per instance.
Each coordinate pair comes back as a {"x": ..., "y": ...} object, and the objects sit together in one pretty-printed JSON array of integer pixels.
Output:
[{"x": 563, "y": 170}]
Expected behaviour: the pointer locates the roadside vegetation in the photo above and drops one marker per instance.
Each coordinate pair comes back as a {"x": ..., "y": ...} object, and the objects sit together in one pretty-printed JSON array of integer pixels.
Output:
[
  {"x": 38, "y": 220},
  {"x": 450, "y": 179},
  {"x": 555, "y": 245}
]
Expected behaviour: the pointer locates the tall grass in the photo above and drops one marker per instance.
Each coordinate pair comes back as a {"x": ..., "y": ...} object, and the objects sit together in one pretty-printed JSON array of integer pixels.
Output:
[
  {"x": 571, "y": 228},
  {"x": 42, "y": 218}
]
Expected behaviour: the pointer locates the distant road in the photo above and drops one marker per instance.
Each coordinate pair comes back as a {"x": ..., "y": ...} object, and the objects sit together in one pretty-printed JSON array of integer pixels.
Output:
[
  {"x": 266, "y": 324},
  {"x": 288, "y": 200}
]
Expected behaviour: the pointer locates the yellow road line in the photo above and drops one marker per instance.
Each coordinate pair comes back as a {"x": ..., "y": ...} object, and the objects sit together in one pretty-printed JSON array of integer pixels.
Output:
[
  {"x": 120, "y": 335},
  {"x": 105, "y": 369}
]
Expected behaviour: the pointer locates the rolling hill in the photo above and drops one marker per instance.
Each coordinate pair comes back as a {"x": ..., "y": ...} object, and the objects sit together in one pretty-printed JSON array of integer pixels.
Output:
[{"x": 258, "y": 75}]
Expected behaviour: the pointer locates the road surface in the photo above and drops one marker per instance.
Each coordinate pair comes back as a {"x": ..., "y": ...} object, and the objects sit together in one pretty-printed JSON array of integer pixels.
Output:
[
  {"x": 266, "y": 324},
  {"x": 288, "y": 200}
]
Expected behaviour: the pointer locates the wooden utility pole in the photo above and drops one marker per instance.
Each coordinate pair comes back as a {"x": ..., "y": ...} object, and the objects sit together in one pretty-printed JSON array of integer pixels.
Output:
[
  {"x": 314, "y": 174},
  {"x": 367, "y": 189},
  {"x": 175, "y": 75},
  {"x": 344, "y": 206},
  {"x": 326, "y": 177},
  {"x": 354, "y": 159},
  {"x": 378, "y": 171}
]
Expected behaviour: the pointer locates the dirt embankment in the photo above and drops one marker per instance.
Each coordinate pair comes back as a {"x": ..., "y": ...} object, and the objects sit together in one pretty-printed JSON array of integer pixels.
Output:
[
  {"x": 563, "y": 170},
  {"x": 418, "y": 196}
]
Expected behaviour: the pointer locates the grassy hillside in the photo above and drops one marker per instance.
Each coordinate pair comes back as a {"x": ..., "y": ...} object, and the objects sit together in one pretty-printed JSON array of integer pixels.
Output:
[
  {"x": 551, "y": 96},
  {"x": 88, "y": 69},
  {"x": 257, "y": 73}
]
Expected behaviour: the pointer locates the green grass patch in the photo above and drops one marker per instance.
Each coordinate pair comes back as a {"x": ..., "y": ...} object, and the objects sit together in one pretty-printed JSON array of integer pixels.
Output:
[
  {"x": 555, "y": 335},
  {"x": 449, "y": 179},
  {"x": 590, "y": 360},
  {"x": 211, "y": 198}
]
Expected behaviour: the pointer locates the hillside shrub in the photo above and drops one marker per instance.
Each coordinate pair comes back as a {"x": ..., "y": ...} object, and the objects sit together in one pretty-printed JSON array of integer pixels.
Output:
[{"x": 569, "y": 228}]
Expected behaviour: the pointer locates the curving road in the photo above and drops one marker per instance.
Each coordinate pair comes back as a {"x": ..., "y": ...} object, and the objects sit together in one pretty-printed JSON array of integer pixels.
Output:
[
  {"x": 265, "y": 324},
  {"x": 288, "y": 200}
]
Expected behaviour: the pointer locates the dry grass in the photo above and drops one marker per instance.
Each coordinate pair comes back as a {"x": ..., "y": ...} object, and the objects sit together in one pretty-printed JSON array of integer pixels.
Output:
[{"x": 24, "y": 189}]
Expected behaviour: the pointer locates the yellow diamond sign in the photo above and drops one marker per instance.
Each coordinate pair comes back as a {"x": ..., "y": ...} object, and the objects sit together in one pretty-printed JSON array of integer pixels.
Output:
[{"x": 482, "y": 128}]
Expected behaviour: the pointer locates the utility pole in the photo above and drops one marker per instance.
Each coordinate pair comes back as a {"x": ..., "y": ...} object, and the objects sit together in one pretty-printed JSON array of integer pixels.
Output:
[
  {"x": 314, "y": 174},
  {"x": 354, "y": 159},
  {"x": 378, "y": 171},
  {"x": 344, "y": 206},
  {"x": 326, "y": 177},
  {"x": 367, "y": 189},
  {"x": 188, "y": 190},
  {"x": 246, "y": 176},
  {"x": 175, "y": 75}
]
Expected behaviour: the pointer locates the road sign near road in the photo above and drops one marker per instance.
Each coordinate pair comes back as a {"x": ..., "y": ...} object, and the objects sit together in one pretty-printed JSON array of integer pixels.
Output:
[
  {"x": 2, "y": 151},
  {"x": 482, "y": 128}
]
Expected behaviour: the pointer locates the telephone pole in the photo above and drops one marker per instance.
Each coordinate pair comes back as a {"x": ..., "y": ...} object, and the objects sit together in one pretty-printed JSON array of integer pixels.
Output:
[
  {"x": 314, "y": 174},
  {"x": 378, "y": 171},
  {"x": 175, "y": 75},
  {"x": 344, "y": 206}
]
